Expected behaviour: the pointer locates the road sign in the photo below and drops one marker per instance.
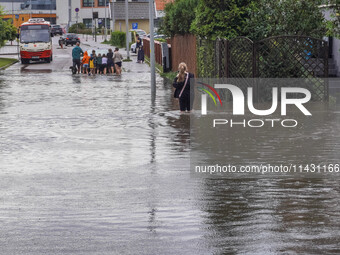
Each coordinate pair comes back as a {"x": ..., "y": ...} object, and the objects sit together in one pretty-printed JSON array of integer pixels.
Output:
[
  {"x": 16, "y": 16},
  {"x": 77, "y": 9},
  {"x": 100, "y": 21},
  {"x": 134, "y": 25}
]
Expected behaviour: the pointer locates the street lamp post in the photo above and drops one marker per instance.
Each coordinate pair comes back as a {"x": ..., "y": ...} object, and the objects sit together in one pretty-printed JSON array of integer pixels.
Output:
[
  {"x": 152, "y": 48},
  {"x": 127, "y": 28},
  {"x": 92, "y": 19},
  {"x": 105, "y": 22}
]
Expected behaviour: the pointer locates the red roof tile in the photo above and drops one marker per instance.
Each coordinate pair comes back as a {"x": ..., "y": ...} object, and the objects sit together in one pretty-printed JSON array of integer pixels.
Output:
[{"x": 160, "y": 4}]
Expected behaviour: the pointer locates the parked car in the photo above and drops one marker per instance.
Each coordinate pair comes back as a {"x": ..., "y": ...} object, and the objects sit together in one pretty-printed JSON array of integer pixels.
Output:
[
  {"x": 133, "y": 48},
  {"x": 140, "y": 32},
  {"x": 71, "y": 39},
  {"x": 56, "y": 30}
]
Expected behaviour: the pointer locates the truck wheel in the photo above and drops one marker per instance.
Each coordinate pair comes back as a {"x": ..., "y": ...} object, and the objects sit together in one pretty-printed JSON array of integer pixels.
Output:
[
  {"x": 48, "y": 60},
  {"x": 24, "y": 61},
  {"x": 51, "y": 57}
]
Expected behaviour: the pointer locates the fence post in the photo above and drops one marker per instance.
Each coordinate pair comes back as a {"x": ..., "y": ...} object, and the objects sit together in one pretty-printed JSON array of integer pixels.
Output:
[
  {"x": 326, "y": 70},
  {"x": 227, "y": 56}
]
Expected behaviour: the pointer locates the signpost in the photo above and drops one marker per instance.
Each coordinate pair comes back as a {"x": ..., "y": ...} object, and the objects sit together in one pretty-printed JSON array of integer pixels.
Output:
[
  {"x": 77, "y": 10},
  {"x": 134, "y": 25}
]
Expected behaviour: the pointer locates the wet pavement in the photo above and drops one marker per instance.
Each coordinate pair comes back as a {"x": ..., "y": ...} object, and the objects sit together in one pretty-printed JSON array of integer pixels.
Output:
[{"x": 91, "y": 165}]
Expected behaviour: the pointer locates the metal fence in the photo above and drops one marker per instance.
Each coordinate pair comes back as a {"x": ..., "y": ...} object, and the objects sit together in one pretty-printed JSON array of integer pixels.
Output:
[
  {"x": 9, "y": 50},
  {"x": 274, "y": 57}
]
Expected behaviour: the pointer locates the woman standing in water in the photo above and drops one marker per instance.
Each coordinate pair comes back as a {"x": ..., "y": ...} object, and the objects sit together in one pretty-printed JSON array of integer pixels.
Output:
[{"x": 183, "y": 91}]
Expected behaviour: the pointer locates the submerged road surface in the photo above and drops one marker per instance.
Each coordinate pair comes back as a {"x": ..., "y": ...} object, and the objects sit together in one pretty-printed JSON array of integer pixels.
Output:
[{"x": 90, "y": 165}]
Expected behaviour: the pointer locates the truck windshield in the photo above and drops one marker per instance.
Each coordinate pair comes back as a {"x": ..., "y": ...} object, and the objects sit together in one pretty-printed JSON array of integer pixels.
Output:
[{"x": 34, "y": 35}]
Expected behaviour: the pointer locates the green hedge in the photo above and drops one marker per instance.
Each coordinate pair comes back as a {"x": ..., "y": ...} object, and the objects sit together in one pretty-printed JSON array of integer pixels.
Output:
[
  {"x": 118, "y": 39},
  {"x": 73, "y": 28}
]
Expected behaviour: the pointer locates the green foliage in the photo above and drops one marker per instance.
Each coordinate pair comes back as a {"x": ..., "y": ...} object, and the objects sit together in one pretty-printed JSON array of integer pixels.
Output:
[
  {"x": 7, "y": 31},
  {"x": 75, "y": 28},
  {"x": 333, "y": 25},
  {"x": 118, "y": 39},
  {"x": 220, "y": 18},
  {"x": 178, "y": 17},
  {"x": 287, "y": 17}
]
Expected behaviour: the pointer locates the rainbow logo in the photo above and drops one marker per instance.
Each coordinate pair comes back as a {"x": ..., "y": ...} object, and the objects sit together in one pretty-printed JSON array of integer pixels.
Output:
[{"x": 206, "y": 91}]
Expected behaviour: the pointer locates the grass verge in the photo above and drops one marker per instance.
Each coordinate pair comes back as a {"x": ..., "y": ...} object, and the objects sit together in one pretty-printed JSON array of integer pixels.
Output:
[
  {"x": 6, "y": 62},
  {"x": 169, "y": 75}
]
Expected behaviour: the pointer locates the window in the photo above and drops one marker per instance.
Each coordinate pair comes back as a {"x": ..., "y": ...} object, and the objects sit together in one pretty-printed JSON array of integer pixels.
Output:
[
  {"x": 88, "y": 3},
  {"x": 102, "y": 2},
  {"x": 87, "y": 23}
]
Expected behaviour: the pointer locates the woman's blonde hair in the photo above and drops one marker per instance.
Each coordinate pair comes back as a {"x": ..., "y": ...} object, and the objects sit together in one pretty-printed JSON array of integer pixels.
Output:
[{"x": 182, "y": 68}]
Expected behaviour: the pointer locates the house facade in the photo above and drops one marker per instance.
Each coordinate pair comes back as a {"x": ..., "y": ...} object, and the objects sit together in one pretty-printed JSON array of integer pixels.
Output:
[
  {"x": 21, "y": 11},
  {"x": 81, "y": 11}
]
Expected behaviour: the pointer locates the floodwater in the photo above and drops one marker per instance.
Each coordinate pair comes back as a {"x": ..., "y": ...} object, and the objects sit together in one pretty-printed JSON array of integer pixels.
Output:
[{"x": 90, "y": 165}]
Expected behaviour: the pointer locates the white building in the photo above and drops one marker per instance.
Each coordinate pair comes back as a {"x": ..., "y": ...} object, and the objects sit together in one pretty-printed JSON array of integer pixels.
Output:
[{"x": 138, "y": 13}]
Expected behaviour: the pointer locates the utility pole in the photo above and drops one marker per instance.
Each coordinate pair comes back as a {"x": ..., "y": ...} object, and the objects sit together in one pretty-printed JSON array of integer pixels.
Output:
[
  {"x": 152, "y": 48},
  {"x": 105, "y": 22},
  {"x": 69, "y": 14},
  {"x": 113, "y": 15},
  {"x": 127, "y": 28},
  {"x": 92, "y": 19}
]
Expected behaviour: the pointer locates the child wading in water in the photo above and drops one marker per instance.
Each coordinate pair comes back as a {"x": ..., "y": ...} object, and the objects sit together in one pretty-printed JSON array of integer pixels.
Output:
[
  {"x": 93, "y": 63},
  {"x": 86, "y": 62}
]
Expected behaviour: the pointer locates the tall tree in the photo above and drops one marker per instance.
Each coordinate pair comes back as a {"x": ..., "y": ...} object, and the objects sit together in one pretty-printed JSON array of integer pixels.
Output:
[
  {"x": 334, "y": 23},
  {"x": 220, "y": 18},
  {"x": 7, "y": 30},
  {"x": 285, "y": 17},
  {"x": 178, "y": 17}
]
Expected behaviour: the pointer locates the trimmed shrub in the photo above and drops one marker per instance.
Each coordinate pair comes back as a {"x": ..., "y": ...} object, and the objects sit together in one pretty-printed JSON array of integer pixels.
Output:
[
  {"x": 73, "y": 28},
  {"x": 118, "y": 39}
]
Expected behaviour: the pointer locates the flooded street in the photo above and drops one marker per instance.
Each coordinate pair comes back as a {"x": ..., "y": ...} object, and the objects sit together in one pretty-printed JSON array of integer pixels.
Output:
[{"x": 90, "y": 165}]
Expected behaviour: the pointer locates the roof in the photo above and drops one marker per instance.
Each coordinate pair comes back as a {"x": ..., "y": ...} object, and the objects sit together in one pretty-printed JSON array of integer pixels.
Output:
[
  {"x": 137, "y": 10},
  {"x": 160, "y": 4}
]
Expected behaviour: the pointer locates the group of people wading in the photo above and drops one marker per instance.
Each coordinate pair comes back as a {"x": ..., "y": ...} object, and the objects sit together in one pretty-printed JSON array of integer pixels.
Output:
[
  {"x": 93, "y": 63},
  {"x": 112, "y": 63}
]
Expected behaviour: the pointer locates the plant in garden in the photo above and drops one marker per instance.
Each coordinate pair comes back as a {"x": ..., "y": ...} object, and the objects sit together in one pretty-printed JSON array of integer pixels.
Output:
[
  {"x": 118, "y": 39},
  {"x": 178, "y": 17},
  {"x": 220, "y": 18},
  {"x": 287, "y": 17},
  {"x": 333, "y": 25},
  {"x": 76, "y": 27}
]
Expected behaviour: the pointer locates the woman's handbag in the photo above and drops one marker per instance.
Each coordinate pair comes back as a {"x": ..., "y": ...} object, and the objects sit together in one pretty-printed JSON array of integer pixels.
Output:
[{"x": 179, "y": 93}]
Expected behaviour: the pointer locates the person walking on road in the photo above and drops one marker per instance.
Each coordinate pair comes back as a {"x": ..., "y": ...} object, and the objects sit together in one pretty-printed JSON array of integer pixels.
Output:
[
  {"x": 183, "y": 91},
  {"x": 76, "y": 53},
  {"x": 118, "y": 60}
]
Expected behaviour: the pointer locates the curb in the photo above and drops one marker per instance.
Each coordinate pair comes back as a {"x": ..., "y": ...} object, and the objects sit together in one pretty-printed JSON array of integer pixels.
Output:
[{"x": 10, "y": 64}]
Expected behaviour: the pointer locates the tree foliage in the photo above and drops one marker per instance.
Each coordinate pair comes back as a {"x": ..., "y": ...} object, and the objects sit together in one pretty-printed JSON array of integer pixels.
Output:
[
  {"x": 287, "y": 17},
  {"x": 178, "y": 17},
  {"x": 220, "y": 18},
  {"x": 334, "y": 23},
  {"x": 7, "y": 31}
]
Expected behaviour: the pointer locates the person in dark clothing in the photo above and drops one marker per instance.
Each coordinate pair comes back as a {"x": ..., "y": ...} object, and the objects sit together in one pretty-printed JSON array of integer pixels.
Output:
[
  {"x": 140, "y": 56},
  {"x": 76, "y": 53},
  {"x": 184, "y": 92},
  {"x": 138, "y": 45},
  {"x": 110, "y": 63}
]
